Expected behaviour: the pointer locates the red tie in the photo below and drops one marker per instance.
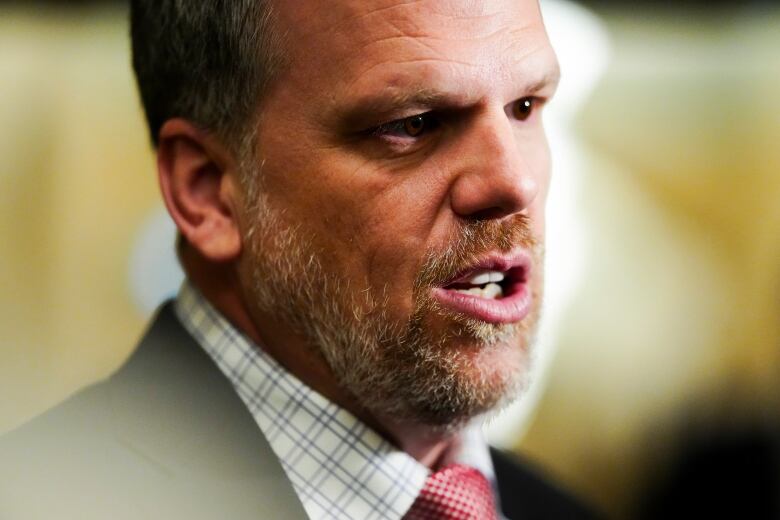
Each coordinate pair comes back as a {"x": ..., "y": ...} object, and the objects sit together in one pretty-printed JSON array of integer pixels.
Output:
[{"x": 455, "y": 492}]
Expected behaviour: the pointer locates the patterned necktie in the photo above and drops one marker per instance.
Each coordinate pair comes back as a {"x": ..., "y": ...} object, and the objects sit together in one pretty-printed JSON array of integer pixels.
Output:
[{"x": 455, "y": 492}]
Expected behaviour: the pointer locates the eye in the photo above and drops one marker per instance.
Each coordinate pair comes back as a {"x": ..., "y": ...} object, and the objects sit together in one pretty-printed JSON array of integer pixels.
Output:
[
  {"x": 412, "y": 126},
  {"x": 523, "y": 108}
]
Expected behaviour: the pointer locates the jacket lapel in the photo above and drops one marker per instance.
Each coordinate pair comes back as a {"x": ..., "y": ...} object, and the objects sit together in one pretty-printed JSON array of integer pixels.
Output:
[{"x": 172, "y": 406}]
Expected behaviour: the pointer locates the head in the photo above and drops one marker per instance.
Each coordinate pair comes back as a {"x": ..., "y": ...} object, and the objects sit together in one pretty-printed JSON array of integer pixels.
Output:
[{"x": 372, "y": 192}]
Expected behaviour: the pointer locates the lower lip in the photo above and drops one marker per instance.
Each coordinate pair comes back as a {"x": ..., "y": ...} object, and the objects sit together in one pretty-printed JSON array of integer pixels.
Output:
[{"x": 510, "y": 309}]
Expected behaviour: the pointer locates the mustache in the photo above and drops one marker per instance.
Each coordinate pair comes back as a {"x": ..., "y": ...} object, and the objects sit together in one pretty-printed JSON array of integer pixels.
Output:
[{"x": 471, "y": 241}]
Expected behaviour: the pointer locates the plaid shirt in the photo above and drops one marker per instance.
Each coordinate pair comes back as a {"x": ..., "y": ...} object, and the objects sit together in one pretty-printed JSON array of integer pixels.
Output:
[{"x": 339, "y": 468}]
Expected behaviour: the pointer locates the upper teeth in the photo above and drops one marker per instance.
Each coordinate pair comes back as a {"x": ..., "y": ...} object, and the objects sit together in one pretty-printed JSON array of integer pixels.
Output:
[
  {"x": 486, "y": 277},
  {"x": 491, "y": 291}
]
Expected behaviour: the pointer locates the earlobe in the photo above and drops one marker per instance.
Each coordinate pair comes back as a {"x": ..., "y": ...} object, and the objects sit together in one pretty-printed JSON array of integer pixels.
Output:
[{"x": 196, "y": 180}]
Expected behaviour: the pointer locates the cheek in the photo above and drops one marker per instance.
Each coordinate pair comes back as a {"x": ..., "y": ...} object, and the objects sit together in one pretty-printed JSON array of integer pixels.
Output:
[
  {"x": 396, "y": 234},
  {"x": 536, "y": 151},
  {"x": 368, "y": 227},
  {"x": 398, "y": 229}
]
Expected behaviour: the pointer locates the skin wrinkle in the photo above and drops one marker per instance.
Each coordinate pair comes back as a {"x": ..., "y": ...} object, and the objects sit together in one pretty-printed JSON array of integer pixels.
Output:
[
  {"x": 531, "y": 88},
  {"x": 388, "y": 20},
  {"x": 522, "y": 56},
  {"x": 349, "y": 22},
  {"x": 402, "y": 34},
  {"x": 395, "y": 62},
  {"x": 464, "y": 63},
  {"x": 403, "y": 193},
  {"x": 433, "y": 11},
  {"x": 420, "y": 39}
]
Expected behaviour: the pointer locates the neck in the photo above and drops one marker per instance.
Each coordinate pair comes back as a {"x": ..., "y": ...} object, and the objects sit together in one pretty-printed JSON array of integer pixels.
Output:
[{"x": 427, "y": 445}]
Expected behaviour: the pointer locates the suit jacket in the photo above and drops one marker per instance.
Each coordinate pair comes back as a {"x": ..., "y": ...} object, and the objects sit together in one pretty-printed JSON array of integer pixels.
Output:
[{"x": 167, "y": 437}]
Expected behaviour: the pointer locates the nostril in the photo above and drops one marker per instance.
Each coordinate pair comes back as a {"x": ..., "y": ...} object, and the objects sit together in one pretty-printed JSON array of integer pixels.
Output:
[{"x": 488, "y": 214}]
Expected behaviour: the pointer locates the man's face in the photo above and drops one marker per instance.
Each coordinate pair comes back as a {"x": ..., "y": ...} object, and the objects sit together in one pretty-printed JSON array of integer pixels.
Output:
[{"x": 400, "y": 213}]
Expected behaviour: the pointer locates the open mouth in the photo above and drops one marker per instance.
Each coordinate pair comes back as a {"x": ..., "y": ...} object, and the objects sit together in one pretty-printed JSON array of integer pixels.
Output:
[
  {"x": 495, "y": 290},
  {"x": 489, "y": 284}
]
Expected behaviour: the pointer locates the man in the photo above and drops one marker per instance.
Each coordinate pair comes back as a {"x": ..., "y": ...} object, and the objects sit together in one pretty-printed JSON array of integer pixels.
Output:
[{"x": 359, "y": 189}]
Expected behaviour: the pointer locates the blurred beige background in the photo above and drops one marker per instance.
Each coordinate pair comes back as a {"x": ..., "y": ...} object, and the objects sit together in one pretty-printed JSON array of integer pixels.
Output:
[
  {"x": 678, "y": 304},
  {"x": 77, "y": 181},
  {"x": 679, "y": 310}
]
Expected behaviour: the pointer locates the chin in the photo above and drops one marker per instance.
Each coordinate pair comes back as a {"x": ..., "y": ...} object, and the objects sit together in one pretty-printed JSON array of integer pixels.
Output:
[
  {"x": 465, "y": 376},
  {"x": 499, "y": 367}
]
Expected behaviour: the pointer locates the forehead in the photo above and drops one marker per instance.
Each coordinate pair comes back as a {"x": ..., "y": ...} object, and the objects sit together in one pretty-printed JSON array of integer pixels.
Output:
[
  {"x": 354, "y": 45},
  {"x": 364, "y": 21}
]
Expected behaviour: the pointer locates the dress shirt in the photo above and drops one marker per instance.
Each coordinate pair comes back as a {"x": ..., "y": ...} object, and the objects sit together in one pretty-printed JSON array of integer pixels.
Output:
[{"x": 339, "y": 467}]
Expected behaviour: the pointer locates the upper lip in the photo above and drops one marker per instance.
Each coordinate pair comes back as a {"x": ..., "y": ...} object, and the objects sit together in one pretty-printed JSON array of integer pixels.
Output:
[{"x": 503, "y": 262}]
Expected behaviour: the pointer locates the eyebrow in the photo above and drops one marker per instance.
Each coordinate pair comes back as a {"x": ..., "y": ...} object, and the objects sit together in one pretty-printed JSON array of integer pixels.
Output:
[
  {"x": 549, "y": 80},
  {"x": 387, "y": 102},
  {"x": 384, "y": 104}
]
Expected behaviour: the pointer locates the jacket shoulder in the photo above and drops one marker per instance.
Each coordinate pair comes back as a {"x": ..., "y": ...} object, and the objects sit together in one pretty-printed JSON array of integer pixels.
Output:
[
  {"x": 164, "y": 437},
  {"x": 64, "y": 455}
]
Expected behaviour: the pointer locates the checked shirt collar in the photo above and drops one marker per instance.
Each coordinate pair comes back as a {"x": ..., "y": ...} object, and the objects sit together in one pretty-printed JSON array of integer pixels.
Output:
[{"x": 339, "y": 467}]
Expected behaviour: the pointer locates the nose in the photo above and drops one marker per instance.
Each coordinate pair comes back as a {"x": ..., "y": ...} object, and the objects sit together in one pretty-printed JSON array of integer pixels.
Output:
[{"x": 494, "y": 179}]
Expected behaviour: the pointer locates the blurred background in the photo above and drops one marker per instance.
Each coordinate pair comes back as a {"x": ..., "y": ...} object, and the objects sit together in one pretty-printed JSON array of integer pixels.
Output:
[{"x": 657, "y": 378}]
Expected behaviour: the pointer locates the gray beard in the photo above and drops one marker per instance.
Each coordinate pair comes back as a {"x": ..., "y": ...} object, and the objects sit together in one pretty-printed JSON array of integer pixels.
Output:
[{"x": 403, "y": 371}]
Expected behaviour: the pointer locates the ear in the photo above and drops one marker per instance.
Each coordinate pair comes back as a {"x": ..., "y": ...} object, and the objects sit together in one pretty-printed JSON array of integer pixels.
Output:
[{"x": 197, "y": 178}]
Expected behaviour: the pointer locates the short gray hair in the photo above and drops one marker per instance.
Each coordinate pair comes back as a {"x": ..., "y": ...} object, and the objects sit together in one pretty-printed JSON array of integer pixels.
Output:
[{"x": 209, "y": 62}]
